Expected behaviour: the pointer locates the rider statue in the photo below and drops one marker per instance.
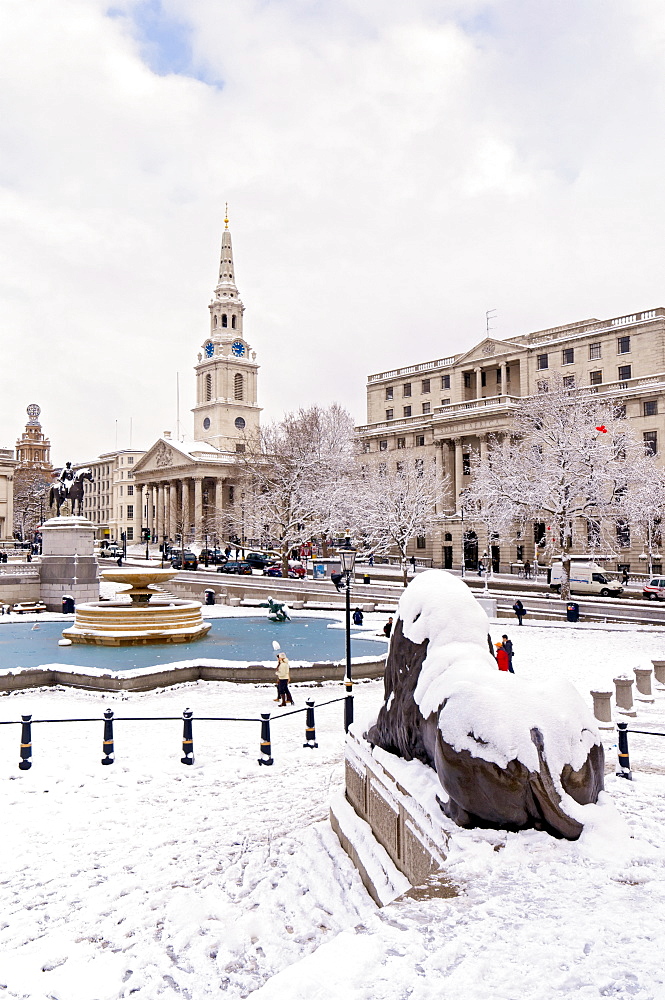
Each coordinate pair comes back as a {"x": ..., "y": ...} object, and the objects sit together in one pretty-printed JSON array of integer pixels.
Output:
[{"x": 66, "y": 476}]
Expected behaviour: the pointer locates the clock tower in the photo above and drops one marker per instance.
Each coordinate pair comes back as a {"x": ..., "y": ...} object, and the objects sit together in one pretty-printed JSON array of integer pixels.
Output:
[{"x": 226, "y": 412}]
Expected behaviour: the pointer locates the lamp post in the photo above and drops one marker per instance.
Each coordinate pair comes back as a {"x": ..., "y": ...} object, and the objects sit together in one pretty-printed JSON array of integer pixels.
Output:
[{"x": 347, "y": 557}]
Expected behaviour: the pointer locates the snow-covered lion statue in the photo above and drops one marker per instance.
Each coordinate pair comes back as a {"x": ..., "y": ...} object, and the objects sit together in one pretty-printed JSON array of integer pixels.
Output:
[{"x": 510, "y": 753}]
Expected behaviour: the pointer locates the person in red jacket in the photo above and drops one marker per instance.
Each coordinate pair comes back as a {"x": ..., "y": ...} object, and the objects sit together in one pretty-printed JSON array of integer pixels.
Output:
[{"x": 502, "y": 658}]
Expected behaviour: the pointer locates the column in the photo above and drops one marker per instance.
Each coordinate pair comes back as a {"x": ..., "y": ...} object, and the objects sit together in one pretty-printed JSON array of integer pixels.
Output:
[
  {"x": 458, "y": 471},
  {"x": 479, "y": 382},
  {"x": 483, "y": 447},
  {"x": 173, "y": 508},
  {"x": 198, "y": 508},
  {"x": 138, "y": 512},
  {"x": 160, "y": 513},
  {"x": 184, "y": 500}
]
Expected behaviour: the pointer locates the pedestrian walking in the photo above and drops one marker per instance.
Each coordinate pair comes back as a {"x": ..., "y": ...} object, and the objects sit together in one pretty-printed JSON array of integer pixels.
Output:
[
  {"x": 527, "y": 570},
  {"x": 502, "y": 660},
  {"x": 371, "y": 559},
  {"x": 624, "y": 577},
  {"x": 388, "y": 627},
  {"x": 412, "y": 560},
  {"x": 519, "y": 610},
  {"x": 283, "y": 677},
  {"x": 481, "y": 567},
  {"x": 508, "y": 646},
  {"x": 357, "y": 617}
]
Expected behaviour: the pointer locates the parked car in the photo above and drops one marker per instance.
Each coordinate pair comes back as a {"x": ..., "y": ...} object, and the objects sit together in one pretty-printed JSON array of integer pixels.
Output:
[
  {"x": 111, "y": 552},
  {"x": 654, "y": 590},
  {"x": 296, "y": 570},
  {"x": 215, "y": 556},
  {"x": 236, "y": 566},
  {"x": 184, "y": 560},
  {"x": 259, "y": 560}
]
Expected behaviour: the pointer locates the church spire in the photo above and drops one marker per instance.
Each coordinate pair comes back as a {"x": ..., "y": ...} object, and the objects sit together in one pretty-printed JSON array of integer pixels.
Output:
[{"x": 226, "y": 286}]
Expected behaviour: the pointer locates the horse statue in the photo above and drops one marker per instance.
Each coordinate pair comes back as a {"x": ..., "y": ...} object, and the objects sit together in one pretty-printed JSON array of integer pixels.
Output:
[{"x": 69, "y": 487}]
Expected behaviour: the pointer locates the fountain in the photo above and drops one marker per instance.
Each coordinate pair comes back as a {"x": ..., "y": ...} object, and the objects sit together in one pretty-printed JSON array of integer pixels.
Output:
[{"x": 146, "y": 618}]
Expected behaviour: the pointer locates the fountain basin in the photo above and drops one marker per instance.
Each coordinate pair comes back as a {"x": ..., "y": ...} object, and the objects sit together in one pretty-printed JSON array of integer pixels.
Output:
[{"x": 148, "y": 617}]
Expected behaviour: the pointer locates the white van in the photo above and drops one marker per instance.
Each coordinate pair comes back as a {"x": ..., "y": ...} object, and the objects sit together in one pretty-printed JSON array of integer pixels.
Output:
[{"x": 586, "y": 578}]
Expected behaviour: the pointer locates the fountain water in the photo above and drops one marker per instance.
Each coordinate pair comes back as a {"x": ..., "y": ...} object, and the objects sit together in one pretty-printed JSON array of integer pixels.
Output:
[{"x": 146, "y": 618}]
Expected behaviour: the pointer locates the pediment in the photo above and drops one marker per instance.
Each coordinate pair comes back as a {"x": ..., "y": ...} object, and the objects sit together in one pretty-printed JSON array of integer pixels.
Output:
[
  {"x": 486, "y": 350},
  {"x": 163, "y": 455}
]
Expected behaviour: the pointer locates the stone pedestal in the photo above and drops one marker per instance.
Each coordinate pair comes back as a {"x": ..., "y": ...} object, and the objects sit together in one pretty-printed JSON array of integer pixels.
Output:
[
  {"x": 68, "y": 565},
  {"x": 659, "y": 670},
  {"x": 624, "y": 695},
  {"x": 643, "y": 683},
  {"x": 602, "y": 708}
]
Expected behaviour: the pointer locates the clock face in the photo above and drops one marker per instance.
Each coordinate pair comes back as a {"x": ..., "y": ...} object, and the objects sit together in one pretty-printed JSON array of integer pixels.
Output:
[
  {"x": 209, "y": 349},
  {"x": 238, "y": 348}
]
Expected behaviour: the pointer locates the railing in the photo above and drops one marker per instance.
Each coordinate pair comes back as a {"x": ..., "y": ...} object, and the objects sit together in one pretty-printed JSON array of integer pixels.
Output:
[
  {"x": 19, "y": 569},
  {"x": 109, "y": 719},
  {"x": 426, "y": 366},
  {"x": 496, "y": 402}
]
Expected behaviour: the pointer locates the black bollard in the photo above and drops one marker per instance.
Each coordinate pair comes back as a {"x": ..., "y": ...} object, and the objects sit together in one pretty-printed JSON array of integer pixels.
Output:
[
  {"x": 310, "y": 731},
  {"x": 266, "y": 748},
  {"x": 624, "y": 760},
  {"x": 26, "y": 743},
  {"x": 107, "y": 745},
  {"x": 187, "y": 737},
  {"x": 348, "y": 704}
]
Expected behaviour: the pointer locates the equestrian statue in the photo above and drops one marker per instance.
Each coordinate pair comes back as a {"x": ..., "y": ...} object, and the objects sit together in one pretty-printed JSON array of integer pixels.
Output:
[{"x": 69, "y": 486}]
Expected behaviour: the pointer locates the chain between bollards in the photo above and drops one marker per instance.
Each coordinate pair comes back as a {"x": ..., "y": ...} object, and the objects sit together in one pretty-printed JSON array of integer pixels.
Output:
[
  {"x": 348, "y": 703},
  {"x": 310, "y": 732},
  {"x": 624, "y": 760},
  {"x": 26, "y": 743},
  {"x": 187, "y": 737},
  {"x": 266, "y": 748},
  {"x": 107, "y": 746}
]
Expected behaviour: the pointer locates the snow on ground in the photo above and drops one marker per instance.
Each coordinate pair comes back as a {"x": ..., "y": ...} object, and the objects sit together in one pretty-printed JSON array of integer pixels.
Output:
[{"x": 156, "y": 879}]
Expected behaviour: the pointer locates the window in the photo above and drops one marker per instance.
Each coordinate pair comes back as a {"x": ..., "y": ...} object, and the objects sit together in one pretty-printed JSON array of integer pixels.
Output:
[
  {"x": 507, "y": 373},
  {"x": 130, "y": 511},
  {"x": 543, "y": 385},
  {"x": 483, "y": 378},
  {"x": 427, "y": 407},
  {"x": 594, "y": 352},
  {"x": 567, "y": 356},
  {"x": 595, "y": 378},
  {"x": 623, "y": 345},
  {"x": 651, "y": 408},
  {"x": 390, "y": 414},
  {"x": 383, "y": 446},
  {"x": 445, "y": 381},
  {"x": 625, "y": 372},
  {"x": 542, "y": 362},
  {"x": 401, "y": 442},
  {"x": 225, "y": 321},
  {"x": 466, "y": 465},
  {"x": 407, "y": 411},
  {"x": 233, "y": 322},
  {"x": 650, "y": 442},
  {"x": 420, "y": 440},
  {"x": 389, "y": 393},
  {"x": 130, "y": 491},
  {"x": 366, "y": 447},
  {"x": 569, "y": 381},
  {"x": 238, "y": 386},
  {"x": 420, "y": 467},
  {"x": 399, "y": 468},
  {"x": 208, "y": 387},
  {"x": 538, "y": 532},
  {"x": 406, "y": 389},
  {"x": 498, "y": 376},
  {"x": 240, "y": 448},
  {"x": 121, "y": 491},
  {"x": 623, "y": 534},
  {"x": 214, "y": 321},
  {"x": 130, "y": 460},
  {"x": 130, "y": 534},
  {"x": 445, "y": 402},
  {"x": 467, "y": 380},
  {"x": 382, "y": 469},
  {"x": 421, "y": 542},
  {"x": 426, "y": 385}
]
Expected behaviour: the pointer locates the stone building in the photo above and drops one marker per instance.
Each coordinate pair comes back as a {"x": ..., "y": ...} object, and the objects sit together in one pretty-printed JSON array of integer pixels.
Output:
[
  {"x": 183, "y": 487},
  {"x": 448, "y": 408},
  {"x": 33, "y": 477},
  {"x": 7, "y": 467},
  {"x": 109, "y": 499}
]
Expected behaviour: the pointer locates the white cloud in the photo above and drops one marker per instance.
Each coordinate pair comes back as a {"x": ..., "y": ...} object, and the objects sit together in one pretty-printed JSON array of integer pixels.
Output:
[{"x": 392, "y": 173}]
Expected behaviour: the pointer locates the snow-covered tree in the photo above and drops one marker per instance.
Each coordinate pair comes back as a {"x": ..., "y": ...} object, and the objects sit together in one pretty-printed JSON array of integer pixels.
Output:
[
  {"x": 643, "y": 505},
  {"x": 568, "y": 461},
  {"x": 31, "y": 495},
  {"x": 389, "y": 507},
  {"x": 293, "y": 477}
]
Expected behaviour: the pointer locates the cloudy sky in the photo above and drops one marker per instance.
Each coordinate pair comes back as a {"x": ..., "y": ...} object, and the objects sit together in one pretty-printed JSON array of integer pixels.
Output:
[{"x": 392, "y": 171}]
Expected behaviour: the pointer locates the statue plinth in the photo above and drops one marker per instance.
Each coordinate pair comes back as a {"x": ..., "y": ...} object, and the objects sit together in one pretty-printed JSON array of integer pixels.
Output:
[{"x": 68, "y": 564}]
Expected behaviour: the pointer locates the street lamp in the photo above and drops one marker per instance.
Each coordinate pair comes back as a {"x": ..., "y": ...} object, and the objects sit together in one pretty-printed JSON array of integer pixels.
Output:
[{"x": 347, "y": 557}]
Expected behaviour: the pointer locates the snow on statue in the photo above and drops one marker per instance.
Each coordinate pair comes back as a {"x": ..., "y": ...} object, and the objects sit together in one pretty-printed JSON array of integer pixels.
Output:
[{"x": 510, "y": 753}]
